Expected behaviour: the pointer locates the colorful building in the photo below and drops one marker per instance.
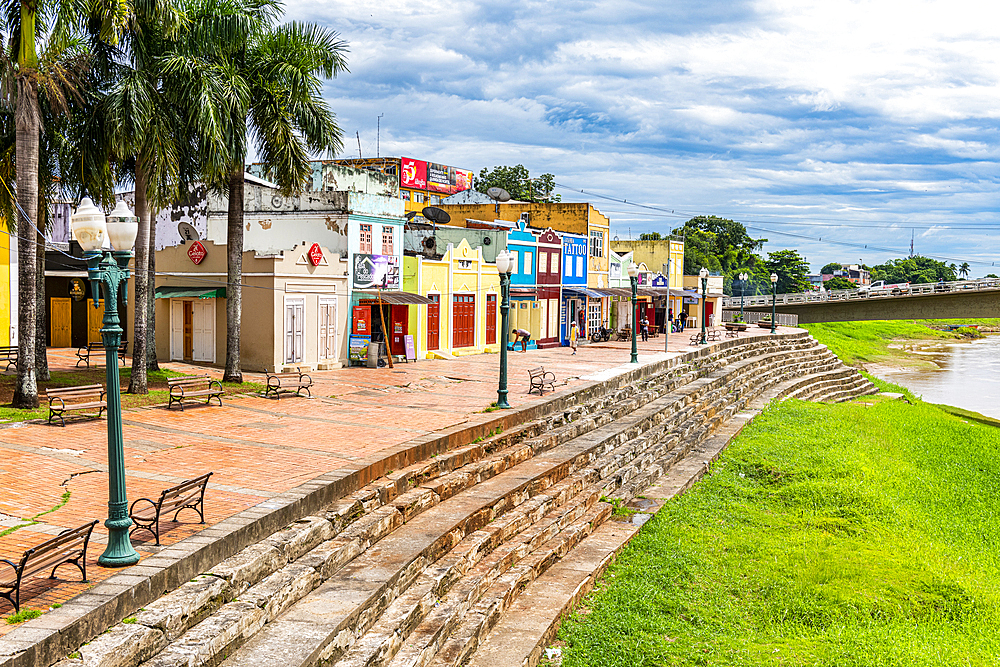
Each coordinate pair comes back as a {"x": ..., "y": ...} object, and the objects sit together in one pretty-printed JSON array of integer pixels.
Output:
[
  {"x": 549, "y": 289},
  {"x": 522, "y": 244},
  {"x": 462, "y": 290},
  {"x": 8, "y": 289},
  {"x": 575, "y": 294}
]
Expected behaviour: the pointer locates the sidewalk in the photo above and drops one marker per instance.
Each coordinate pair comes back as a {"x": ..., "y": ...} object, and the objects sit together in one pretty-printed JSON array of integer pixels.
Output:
[{"x": 256, "y": 447}]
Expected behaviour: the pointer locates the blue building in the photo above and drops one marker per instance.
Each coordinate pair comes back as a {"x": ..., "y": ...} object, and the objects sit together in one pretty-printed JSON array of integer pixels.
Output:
[
  {"x": 573, "y": 304},
  {"x": 522, "y": 244}
]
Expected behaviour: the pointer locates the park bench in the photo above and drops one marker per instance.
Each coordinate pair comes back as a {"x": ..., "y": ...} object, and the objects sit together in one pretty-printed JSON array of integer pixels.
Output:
[
  {"x": 189, "y": 494},
  {"x": 76, "y": 399},
  {"x": 8, "y": 353},
  {"x": 84, "y": 353},
  {"x": 283, "y": 383},
  {"x": 187, "y": 389},
  {"x": 711, "y": 333},
  {"x": 625, "y": 333},
  {"x": 69, "y": 546},
  {"x": 540, "y": 378}
]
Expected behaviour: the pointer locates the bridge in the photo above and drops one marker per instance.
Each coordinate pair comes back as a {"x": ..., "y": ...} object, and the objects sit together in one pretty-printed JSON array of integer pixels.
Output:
[{"x": 951, "y": 300}]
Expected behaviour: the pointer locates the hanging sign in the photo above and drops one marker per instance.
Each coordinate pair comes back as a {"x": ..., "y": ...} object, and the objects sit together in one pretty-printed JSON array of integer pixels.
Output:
[
  {"x": 197, "y": 252},
  {"x": 77, "y": 289},
  {"x": 315, "y": 254}
]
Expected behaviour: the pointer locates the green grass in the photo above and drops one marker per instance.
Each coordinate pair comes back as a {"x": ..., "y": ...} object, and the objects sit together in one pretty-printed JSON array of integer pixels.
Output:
[
  {"x": 828, "y": 535},
  {"x": 23, "y": 615}
]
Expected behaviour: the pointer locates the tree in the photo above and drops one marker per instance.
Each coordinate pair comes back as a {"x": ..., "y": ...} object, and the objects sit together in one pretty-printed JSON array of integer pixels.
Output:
[
  {"x": 830, "y": 268},
  {"x": 963, "y": 270},
  {"x": 518, "y": 182},
  {"x": 277, "y": 74},
  {"x": 717, "y": 244},
  {"x": 991, "y": 275},
  {"x": 792, "y": 269},
  {"x": 650, "y": 236},
  {"x": 839, "y": 282},
  {"x": 917, "y": 269}
]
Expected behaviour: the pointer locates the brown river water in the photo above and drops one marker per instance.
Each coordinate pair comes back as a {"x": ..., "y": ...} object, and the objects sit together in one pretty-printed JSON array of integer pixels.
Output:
[{"x": 966, "y": 375}]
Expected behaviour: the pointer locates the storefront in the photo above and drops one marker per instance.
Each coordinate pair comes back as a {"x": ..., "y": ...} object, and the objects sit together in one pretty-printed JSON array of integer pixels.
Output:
[
  {"x": 574, "y": 295},
  {"x": 549, "y": 277}
]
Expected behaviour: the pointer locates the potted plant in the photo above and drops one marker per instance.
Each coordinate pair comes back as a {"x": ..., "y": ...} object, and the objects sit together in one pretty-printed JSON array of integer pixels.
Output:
[{"x": 765, "y": 322}]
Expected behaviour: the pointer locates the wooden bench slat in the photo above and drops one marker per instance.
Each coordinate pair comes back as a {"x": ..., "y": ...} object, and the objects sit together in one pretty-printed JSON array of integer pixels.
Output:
[
  {"x": 189, "y": 494},
  {"x": 67, "y": 547}
]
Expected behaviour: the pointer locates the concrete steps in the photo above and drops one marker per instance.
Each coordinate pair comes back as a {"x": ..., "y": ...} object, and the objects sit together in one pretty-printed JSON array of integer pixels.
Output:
[{"x": 417, "y": 566}]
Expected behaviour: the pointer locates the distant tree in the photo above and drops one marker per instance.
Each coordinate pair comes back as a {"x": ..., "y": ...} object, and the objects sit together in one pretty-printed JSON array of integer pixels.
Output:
[
  {"x": 839, "y": 282},
  {"x": 518, "y": 182},
  {"x": 916, "y": 269},
  {"x": 991, "y": 275},
  {"x": 963, "y": 270},
  {"x": 792, "y": 270},
  {"x": 650, "y": 236},
  {"x": 717, "y": 244},
  {"x": 830, "y": 268}
]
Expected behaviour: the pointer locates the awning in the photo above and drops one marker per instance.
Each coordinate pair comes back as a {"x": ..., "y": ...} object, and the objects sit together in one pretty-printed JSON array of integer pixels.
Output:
[
  {"x": 616, "y": 291},
  {"x": 190, "y": 292},
  {"x": 395, "y": 298},
  {"x": 592, "y": 293}
]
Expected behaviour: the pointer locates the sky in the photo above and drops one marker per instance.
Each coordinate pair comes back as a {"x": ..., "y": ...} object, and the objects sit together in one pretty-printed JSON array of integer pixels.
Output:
[{"x": 838, "y": 128}]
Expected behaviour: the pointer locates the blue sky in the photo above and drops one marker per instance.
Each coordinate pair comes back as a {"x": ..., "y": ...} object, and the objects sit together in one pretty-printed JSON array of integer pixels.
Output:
[{"x": 838, "y": 128}]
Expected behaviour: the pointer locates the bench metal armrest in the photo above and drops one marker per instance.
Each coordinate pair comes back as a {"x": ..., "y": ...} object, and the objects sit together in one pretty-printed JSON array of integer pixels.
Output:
[
  {"x": 548, "y": 375},
  {"x": 104, "y": 396},
  {"x": 215, "y": 382},
  {"x": 12, "y": 564},
  {"x": 139, "y": 500},
  {"x": 305, "y": 376},
  {"x": 57, "y": 398},
  {"x": 179, "y": 388},
  {"x": 276, "y": 384}
]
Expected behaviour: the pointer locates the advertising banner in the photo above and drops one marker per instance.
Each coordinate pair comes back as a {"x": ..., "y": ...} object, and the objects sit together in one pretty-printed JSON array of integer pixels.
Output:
[
  {"x": 358, "y": 348},
  {"x": 370, "y": 271},
  {"x": 412, "y": 173},
  {"x": 447, "y": 180}
]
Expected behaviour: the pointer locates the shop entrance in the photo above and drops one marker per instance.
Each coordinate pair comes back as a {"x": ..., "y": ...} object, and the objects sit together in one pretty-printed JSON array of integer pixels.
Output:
[
  {"x": 62, "y": 322},
  {"x": 434, "y": 322},
  {"x": 463, "y": 314},
  {"x": 192, "y": 330}
]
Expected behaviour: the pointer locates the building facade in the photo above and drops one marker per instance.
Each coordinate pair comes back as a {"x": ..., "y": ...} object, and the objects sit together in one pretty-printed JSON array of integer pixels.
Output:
[{"x": 420, "y": 183}]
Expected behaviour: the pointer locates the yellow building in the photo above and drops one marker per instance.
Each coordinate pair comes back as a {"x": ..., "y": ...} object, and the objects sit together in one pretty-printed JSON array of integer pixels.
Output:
[
  {"x": 656, "y": 255},
  {"x": 8, "y": 297},
  {"x": 464, "y": 314}
]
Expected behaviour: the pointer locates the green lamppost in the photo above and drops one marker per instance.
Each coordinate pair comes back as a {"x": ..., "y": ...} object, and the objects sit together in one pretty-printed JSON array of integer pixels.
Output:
[
  {"x": 743, "y": 290},
  {"x": 108, "y": 269},
  {"x": 774, "y": 300},
  {"x": 505, "y": 265},
  {"x": 633, "y": 275},
  {"x": 703, "y": 274}
]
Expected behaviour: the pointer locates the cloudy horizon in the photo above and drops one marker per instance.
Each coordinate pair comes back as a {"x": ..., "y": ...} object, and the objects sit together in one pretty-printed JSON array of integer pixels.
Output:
[{"x": 837, "y": 128}]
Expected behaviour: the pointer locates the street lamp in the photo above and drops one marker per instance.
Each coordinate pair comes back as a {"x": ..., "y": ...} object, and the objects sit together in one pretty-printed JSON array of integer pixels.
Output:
[
  {"x": 633, "y": 275},
  {"x": 703, "y": 274},
  {"x": 743, "y": 289},
  {"x": 505, "y": 265},
  {"x": 666, "y": 329},
  {"x": 774, "y": 297},
  {"x": 109, "y": 269}
]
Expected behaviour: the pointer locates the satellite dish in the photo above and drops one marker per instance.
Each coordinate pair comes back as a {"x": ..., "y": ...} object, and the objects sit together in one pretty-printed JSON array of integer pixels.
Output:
[
  {"x": 411, "y": 215},
  {"x": 188, "y": 232},
  {"x": 498, "y": 194},
  {"x": 436, "y": 215}
]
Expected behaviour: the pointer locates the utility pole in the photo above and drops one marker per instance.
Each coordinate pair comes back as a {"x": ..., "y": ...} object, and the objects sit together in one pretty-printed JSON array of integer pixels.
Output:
[
  {"x": 358, "y": 135},
  {"x": 378, "y": 135}
]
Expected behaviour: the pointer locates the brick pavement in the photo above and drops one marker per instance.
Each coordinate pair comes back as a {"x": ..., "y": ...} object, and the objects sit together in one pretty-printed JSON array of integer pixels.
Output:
[{"x": 256, "y": 447}]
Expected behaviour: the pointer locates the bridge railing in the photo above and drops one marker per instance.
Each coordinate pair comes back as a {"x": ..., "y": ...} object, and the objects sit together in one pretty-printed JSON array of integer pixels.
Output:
[
  {"x": 856, "y": 294},
  {"x": 753, "y": 316}
]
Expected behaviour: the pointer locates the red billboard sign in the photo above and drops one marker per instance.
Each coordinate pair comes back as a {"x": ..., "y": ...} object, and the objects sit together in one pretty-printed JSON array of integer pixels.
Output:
[
  {"x": 434, "y": 177},
  {"x": 197, "y": 252}
]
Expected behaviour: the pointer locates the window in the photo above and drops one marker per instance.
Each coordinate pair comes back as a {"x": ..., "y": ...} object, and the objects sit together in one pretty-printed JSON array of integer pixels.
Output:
[
  {"x": 513, "y": 261},
  {"x": 404, "y": 195},
  {"x": 366, "y": 239},
  {"x": 579, "y": 267},
  {"x": 387, "y": 240},
  {"x": 434, "y": 199},
  {"x": 418, "y": 197},
  {"x": 554, "y": 268},
  {"x": 527, "y": 262},
  {"x": 568, "y": 266},
  {"x": 543, "y": 262},
  {"x": 596, "y": 243}
]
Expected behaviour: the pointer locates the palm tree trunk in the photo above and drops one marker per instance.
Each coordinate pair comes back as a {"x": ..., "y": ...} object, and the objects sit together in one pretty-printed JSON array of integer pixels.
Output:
[
  {"x": 151, "y": 361},
  {"x": 41, "y": 328},
  {"x": 137, "y": 383},
  {"x": 26, "y": 151},
  {"x": 234, "y": 294}
]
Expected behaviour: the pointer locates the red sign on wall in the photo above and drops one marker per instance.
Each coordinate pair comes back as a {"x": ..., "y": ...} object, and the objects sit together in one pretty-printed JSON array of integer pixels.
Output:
[
  {"x": 315, "y": 254},
  {"x": 197, "y": 252}
]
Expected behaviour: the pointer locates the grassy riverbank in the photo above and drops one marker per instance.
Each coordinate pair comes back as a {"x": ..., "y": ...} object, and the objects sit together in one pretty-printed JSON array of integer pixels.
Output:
[
  {"x": 827, "y": 535},
  {"x": 858, "y": 343}
]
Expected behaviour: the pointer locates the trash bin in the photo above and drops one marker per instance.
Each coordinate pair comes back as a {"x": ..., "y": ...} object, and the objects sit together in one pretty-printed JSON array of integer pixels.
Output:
[{"x": 374, "y": 352}]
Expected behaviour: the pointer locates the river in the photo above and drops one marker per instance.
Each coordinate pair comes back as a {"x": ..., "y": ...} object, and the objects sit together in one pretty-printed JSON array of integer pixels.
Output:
[{"x": 967, "y": 375}]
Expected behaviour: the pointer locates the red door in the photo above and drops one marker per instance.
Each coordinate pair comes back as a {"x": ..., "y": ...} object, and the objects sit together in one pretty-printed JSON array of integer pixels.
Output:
[
  {"x": 491, "y": 319},
  {"x": 433, "y": 321},
  {"x": 708, "y": 317},
  {"x": 463, "y": 320},
  {"x": 400, "y": 326}
]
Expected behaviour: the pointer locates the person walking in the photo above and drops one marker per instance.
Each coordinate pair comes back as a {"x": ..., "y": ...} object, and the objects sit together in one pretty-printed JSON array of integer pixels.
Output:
[
  {"x": 523, "y": 336},
  {"x": 684, "y": 317},
  {"x": 574, "y": 335},
  {"x": 644, "y": 327}
]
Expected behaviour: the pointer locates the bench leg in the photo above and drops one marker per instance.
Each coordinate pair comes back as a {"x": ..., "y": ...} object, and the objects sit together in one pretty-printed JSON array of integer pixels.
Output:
[{"x": 11, "y": 598}]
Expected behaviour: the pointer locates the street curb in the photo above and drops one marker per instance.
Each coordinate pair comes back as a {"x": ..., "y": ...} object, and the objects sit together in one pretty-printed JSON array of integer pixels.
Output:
[{"x": 52, "y": 636}]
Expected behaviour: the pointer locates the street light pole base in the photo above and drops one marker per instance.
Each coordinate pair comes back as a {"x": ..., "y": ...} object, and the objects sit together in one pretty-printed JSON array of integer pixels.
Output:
[
  {"x": 502, "y": 400},
  {"x": 119, "y": 552}
]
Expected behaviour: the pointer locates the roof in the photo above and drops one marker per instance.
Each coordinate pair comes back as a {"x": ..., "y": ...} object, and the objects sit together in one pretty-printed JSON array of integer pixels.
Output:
[
  {"x": 396, "y": 298},
  {"x": 202, "y": 292}
]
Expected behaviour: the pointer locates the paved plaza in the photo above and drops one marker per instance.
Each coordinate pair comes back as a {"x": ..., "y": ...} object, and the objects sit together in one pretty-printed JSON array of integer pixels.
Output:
[{"x": 55, "y": 477}]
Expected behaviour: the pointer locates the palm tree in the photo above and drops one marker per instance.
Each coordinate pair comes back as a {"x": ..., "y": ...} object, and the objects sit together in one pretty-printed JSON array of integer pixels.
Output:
[
  {"x": 963, "y": 270},
  {"x": 280, "y": 71}
]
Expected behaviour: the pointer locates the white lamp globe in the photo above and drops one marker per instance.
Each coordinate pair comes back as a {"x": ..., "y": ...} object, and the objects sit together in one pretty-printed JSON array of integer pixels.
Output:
[
  {"x": 122, "y": 227},
  {"x": 703, "y": 273},
  {"x": 633, "y": 270},
  {"x": 774, "y": 277},
  {"x": 503, "y": 262},
  {"x": 88, "y": 225}
]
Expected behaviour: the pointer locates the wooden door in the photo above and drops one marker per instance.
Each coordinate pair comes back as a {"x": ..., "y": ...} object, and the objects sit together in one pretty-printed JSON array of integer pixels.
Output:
[
  {"x": 491, "y": 319},
  {"x": 188, "y": 331},
  {"x": 95, "y": 320},
  {"x": 294, "y": 315},
  {"x": 709, "y": 306},
  {"x": 61, "y": 322},
  {"x": 176, "y": 329},
  {"x": 327, "y": 329},
  {"x": 463, "y": 320},
  {"x": 203, "y": 347},
  {"x": 553, "y": 318},
  {"x": 434, "y": 322},
  {"x": 543, "y": 319}
]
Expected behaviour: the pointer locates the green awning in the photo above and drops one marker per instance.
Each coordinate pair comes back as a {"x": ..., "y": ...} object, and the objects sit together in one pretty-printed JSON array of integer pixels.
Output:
[{"x": 190, "y": 292}]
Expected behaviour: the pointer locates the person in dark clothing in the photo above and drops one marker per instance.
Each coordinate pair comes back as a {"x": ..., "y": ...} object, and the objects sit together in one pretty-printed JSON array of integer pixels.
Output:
[
  {"x": 644, "y": 327},
  {"x": 684, "y": 317}
]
